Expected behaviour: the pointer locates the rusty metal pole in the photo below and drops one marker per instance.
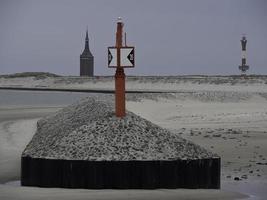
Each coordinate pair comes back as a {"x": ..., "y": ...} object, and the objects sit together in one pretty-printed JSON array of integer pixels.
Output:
[{"x": 119, "y": 76}]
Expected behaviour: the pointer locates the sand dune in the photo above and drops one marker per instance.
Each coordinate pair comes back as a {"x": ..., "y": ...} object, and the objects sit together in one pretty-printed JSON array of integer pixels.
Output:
[{"x": 164, "y": 83}]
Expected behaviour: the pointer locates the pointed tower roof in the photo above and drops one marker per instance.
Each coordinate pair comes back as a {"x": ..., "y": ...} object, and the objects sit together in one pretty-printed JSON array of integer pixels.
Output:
[{"x": 86, "y": 51}]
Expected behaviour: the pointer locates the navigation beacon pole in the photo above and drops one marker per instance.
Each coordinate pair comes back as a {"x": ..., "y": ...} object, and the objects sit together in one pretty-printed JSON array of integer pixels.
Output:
[
  {"x": 120, "y": 57},
  {"x": 243, "y": 67},
  {"x": 119, "y": 76}
]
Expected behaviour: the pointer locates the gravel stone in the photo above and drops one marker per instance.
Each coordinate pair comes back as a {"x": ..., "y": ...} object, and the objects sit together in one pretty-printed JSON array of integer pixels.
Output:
[{"x": 89, "y": 130}]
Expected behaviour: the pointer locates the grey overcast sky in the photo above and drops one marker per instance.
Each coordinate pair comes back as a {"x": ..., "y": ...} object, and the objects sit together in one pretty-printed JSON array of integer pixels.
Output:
[{"x": 172, "y": 37}]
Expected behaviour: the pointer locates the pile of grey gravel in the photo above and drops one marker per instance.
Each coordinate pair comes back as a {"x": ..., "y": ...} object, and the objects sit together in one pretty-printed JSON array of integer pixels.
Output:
[{"x": 89, "y": 130}]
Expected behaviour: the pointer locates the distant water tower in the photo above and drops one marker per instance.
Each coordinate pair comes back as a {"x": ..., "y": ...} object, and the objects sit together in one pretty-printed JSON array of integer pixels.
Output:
[{"x": 243, "y": 67}]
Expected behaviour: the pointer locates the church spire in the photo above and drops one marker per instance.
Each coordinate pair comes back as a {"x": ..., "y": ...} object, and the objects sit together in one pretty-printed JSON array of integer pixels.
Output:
[
  {"x": 86, "y": 59},
  {"x": 86, "y": 51},
  {"x": 87, "y": 40}
]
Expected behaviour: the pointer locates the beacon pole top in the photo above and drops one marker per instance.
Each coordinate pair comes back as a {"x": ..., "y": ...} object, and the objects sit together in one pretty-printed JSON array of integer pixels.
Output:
[{"x": 119, "y": 20}]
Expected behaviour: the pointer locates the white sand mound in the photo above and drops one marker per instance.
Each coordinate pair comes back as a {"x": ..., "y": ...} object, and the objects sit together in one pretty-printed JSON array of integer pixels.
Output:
[{"x": 89, "y": 130}]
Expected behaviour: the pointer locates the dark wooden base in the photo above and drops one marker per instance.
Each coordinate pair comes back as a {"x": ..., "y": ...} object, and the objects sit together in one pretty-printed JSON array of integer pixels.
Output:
[{"x": 201, "y": 173}]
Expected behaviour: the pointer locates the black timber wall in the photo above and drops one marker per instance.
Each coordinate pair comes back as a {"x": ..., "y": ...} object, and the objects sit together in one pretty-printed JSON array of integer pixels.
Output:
[{"x": 201, "y": 173}]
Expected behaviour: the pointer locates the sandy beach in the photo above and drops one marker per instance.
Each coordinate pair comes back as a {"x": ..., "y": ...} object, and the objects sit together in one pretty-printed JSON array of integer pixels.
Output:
[
  {"x": 228, "y": 119},
  {"x": 15, "y": 134}
]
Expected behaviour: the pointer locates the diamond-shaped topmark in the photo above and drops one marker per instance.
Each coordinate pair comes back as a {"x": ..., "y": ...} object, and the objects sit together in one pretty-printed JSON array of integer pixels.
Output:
[
  {"x": 112, "y": 57},
  {"x": 127, "y": 56}
]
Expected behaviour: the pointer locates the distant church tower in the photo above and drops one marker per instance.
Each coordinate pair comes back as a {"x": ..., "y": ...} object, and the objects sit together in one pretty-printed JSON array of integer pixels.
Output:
[{"x": 86, "y": 60}]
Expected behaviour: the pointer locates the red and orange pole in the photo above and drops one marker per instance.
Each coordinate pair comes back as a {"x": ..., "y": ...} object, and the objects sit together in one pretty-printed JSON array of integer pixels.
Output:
[{"x": 119, "y": 76}]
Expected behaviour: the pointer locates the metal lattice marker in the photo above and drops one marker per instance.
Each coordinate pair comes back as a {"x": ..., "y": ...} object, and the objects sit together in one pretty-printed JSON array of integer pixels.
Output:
[{"x": 243, "y": 67}]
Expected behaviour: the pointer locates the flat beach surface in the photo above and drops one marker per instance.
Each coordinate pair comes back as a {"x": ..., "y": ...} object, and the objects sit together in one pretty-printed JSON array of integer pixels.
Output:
[{"x": 230, "y": 120}]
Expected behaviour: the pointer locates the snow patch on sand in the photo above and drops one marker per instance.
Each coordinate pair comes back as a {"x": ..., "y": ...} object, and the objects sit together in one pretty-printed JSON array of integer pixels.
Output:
[
  {"x": 14, "y": 137},
  {"x": 163, "y": 83}
]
